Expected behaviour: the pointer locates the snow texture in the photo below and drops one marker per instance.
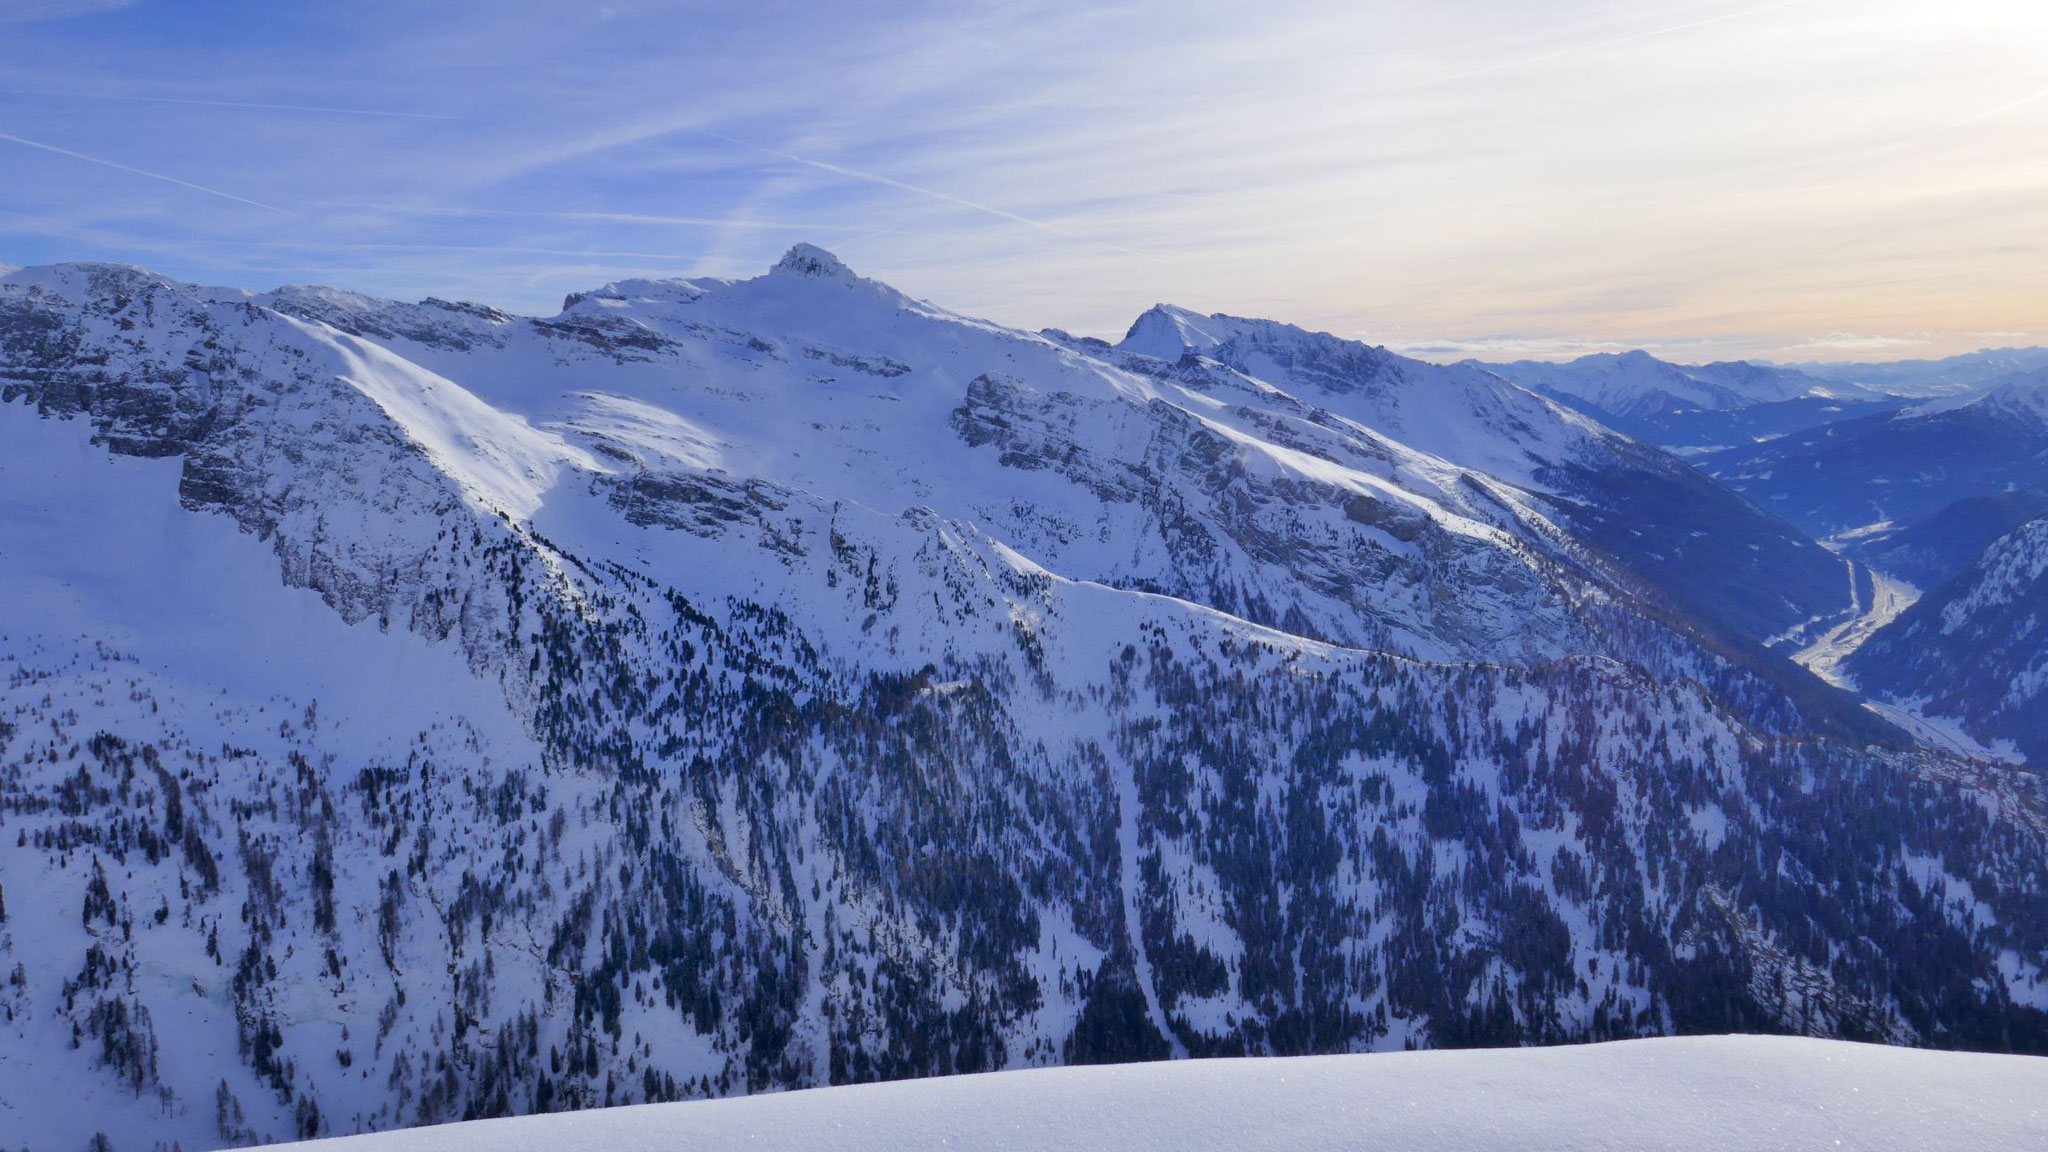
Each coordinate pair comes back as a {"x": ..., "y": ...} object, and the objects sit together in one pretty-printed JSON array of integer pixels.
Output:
[{"x": 1702, "y": 1094}]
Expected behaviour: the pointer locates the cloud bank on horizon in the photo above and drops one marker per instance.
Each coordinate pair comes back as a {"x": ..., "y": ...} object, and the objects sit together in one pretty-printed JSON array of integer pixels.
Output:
[{"x": 1805, "y": 179}]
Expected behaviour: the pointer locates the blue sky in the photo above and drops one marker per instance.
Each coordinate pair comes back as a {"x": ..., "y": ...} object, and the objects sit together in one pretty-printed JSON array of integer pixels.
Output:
[{"x": 1814, "y": 179}]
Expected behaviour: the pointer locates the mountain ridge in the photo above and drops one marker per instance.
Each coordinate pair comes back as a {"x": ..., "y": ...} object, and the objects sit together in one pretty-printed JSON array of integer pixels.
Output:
[
  {"x": 1897, "y": 468},
  {"x": 876, "y": 692},
  {"x": 1973, "y": 648}
]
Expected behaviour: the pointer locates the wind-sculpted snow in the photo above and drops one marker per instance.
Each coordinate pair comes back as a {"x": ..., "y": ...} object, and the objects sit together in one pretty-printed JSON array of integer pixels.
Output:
[
  {"x": 1710, "y": 1094},
  {"x": 413, "y": 713}
]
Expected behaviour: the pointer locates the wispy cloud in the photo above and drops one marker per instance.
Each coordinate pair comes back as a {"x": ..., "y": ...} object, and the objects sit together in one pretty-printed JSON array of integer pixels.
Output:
[
  {"x": 668, "y": 258},
  {"x": 1940, "y": 134},
  {"x": 1863, "y": 342},
  {"x": 2002, "y": 109},
  {"x": 1499, "y": 347},
  {"x": 595, "y": 217},
  {"x": 1617, "y": 41},
  {"x": 314, "y": 109},
  {"x": 23, "y": 11},
  {"x": 1581, "y": 174},
  {"x": 129, "y": 168},
  {"x": 943, "y": 197}
]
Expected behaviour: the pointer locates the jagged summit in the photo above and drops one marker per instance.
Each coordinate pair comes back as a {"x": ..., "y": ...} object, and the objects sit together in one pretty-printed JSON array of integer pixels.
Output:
[
  {"x": 813, "y": 263},
  {"x": 1168, "y": 331}
]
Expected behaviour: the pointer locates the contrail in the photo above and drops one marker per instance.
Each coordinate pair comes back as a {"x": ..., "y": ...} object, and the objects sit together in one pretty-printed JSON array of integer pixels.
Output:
[
  {"x": 282, "y": 107},
  {"x": 27, "y": 143},
  {"x": 2002, "y": 109},
  {"x": 365, "y": 246},
  {"x": 873, "y": 178},
  {"x": 1911, "y": 139},
  {"x": 593, "y": 217},
  {"x": 1616, "y": 42}
]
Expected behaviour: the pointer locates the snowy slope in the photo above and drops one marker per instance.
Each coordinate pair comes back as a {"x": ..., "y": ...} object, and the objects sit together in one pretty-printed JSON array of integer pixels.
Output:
[
  {"x": 176, "y": 633},
  {"x": 816, "y": 390},
  {"x": 1976, "y": 648},
  {"x": 1932, "y": 551},
  {"x": 411, "y": 712},
  {"x": 1710, "y": 1094},
  {"x": 1642, "y": 512},
  {"x": 1287, "y": 477}
]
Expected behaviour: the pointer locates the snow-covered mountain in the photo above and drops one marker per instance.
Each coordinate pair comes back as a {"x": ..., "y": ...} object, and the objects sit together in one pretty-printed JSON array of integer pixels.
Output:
[
  {"x": 414, "y": 712},
  {"x": 1898, "y": 469},
  {"x": 1931, "y": 552},
  {"x": 1660, "y": 523},
  {"x": 1954, "y": 375},
  {"x": 2019, "y": 397},
  {"x": 1696, "y": 409},
  {"x": 1698, "y": 1094},
  {"x": 1628, "y": 384},
  {"x": 1976, "y": 648}
]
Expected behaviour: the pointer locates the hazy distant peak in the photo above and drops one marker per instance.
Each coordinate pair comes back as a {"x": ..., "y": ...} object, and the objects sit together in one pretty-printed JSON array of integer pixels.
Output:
[{"x": 2023, "y": 395}]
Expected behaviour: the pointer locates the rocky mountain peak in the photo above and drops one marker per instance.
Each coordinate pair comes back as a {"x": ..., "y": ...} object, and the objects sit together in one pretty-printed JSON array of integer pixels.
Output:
[{"x": 813, "y": 263}]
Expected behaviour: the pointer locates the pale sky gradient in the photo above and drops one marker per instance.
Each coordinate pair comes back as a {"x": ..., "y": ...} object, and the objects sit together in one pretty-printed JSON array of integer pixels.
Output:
[{"x": 1819, "y": 179}]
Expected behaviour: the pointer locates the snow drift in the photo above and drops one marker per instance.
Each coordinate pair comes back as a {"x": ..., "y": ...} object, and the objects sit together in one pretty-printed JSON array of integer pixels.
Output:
[{"x": 1702, "y": 1094}]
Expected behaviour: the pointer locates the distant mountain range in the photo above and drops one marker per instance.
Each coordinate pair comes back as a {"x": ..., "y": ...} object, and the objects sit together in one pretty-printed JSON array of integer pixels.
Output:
[
  {"x": 1898, "y": 468},
  {"x": 1934, "y": 378},
  {"x": 1695, "y": 410},
  {"x": 1637, "y": 384},
  {"x": 1943, "y": 489}
]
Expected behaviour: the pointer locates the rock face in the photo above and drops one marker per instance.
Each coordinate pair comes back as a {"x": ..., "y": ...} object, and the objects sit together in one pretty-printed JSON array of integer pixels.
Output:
[
  {"x": 1976, "y": 648},
  {"x": 413, "y": 712}
]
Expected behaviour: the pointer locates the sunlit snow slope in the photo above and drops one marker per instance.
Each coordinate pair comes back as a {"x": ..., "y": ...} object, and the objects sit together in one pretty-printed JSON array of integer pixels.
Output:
[{"x": 1708, "y": 1094}]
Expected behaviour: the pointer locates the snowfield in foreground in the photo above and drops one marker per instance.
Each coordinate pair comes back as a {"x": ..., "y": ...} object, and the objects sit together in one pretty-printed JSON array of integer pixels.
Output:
[{"x": 1708, "y": 1093}]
